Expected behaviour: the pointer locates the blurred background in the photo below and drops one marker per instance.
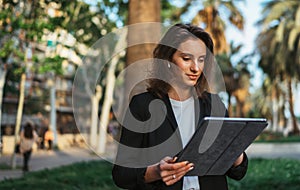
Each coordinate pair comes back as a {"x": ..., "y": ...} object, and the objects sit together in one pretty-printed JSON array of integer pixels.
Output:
[{"x": 42, "y": 43}]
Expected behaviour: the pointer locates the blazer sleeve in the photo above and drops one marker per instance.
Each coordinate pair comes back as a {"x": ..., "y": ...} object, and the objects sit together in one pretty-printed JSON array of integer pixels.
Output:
[
  {"x": 239, "y": 171},
  {"x": 124, "y": 173}
]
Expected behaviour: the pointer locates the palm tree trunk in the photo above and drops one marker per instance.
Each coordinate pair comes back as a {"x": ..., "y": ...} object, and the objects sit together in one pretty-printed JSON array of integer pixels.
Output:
[
  {"x": 229, "y": 104},
  {"x": 275, "y": 109},
  {"x": 108, "y": 99},
  {"x": 291, "y": 105},
  {"x": 19, "y": 117},
  {"x": 140, "y": 11},
  {"x": 94, "y": 116},
  {"x": 2, "y": 81},
  {"x": 53, "y": 110}
]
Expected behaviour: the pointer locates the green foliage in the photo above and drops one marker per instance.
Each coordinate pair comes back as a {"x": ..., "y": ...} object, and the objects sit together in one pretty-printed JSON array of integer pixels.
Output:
[
  {"x": 277, "y": 137},
  {"x": 279, "y": 174},
  {"x": 263, "y": 174},
  {"x": 52, "y": 64},
  {"x": 277, "y": 43},
  {"x": 171, "y": 13},
  {"x": 85, "y": 176},
  {"x": 6, "y": 49},
  {"x": 13, "y": 78}
]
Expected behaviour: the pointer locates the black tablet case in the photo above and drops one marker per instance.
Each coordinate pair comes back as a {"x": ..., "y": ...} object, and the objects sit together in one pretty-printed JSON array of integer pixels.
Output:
[{"x": 218, "y": 142}]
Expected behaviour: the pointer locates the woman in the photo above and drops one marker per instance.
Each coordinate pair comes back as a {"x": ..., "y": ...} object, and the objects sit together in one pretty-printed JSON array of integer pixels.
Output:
[
  {"x": 49, "y": 137},
  {"x": 28, "y": 136},
  {"x": 179, "y": 92}
]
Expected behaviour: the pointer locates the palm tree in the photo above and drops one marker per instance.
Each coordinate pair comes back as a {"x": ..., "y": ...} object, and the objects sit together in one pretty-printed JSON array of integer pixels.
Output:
[
  {"x": 215, "y": 25},
  {"x": 238, "y": 78},
  {"x": 279, "y": 46}
]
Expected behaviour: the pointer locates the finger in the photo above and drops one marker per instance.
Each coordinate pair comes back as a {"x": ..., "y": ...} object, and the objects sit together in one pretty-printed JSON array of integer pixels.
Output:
[
  {"x": 172, "y": 160},
  {"x": 182, "y": 173},
  {"x": 170, "y": 180},
  {"x": 167, "y": 159},
  {"x": 173, "y": 166},
  {"x": 185, "y": 169},
  {"x": 169, "y": 177}
]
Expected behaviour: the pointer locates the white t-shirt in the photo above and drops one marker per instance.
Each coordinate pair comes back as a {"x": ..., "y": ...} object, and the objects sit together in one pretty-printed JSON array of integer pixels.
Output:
[{"x": 185, "y": 116}]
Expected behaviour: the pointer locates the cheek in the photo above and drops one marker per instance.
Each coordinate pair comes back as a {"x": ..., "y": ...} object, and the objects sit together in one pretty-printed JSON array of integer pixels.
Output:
[
  {"x": 202, "y": 67},
  {"x": 180, "y": 65}
]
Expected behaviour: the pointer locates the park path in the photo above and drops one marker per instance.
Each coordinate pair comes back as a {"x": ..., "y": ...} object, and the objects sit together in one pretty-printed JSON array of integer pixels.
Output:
[
  {"x": 43, "y": 159},
  {"x": 274, "y": 150}
]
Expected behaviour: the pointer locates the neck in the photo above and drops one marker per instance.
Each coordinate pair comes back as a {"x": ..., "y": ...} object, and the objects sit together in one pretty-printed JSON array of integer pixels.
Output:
[{"x": 180, "y": 94}]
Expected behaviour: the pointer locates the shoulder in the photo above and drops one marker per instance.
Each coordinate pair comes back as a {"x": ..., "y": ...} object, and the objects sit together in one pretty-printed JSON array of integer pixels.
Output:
[
  {"x": 144, "y": 96},
  {"x": 140, "y": 103},
  {"x": 214, "y": 104},
  {"x": 142, "y": 99},
  {"x": 211, "y": 97}
]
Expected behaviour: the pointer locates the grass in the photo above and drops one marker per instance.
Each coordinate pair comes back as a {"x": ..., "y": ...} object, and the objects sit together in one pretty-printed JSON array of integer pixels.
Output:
[
  {"x": 4, "y": 166},
  {"x": 263, "y": 174},
  {"x": 85, "y": 176}
]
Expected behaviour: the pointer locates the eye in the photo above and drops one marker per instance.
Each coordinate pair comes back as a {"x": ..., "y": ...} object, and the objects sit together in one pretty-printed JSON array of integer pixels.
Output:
[
  {"x": 201, "y": 59},
  {"x": 186, "y": 58}
]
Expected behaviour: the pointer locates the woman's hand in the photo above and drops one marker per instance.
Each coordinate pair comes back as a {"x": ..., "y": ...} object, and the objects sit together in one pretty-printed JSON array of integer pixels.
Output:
[{"x": 168, "y": 171}]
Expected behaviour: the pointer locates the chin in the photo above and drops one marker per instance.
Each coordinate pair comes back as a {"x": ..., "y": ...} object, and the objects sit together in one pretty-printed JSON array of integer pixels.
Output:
[{"x": 191, "y": 84}]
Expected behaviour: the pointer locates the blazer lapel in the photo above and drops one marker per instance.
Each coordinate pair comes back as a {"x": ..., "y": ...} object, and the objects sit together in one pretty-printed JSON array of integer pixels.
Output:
[
  {"x": 170, "y": 113},
  {"x": 198, "y": 109}
]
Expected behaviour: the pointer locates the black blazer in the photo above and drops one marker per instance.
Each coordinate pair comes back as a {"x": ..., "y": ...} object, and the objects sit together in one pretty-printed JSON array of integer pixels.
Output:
[{"x": 150, "y": 133}]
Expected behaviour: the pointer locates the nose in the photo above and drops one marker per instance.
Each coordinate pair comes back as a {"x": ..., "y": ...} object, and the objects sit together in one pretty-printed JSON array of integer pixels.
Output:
[{"x": 195, "y": 67}]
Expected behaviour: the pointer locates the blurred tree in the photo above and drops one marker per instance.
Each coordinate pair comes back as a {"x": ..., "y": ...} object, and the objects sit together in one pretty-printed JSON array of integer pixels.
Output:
[
  {"x": 279, "y": 47},
  {"x": 39, "y": 36},
  {"x": 239, "y": 79},
  {"x": 141, "y": 36},
  {"x": 236, "y": 79},
  {"x": 21, "y": 29},
  {"x": 140, "y": 11},
  {"x": 215, "y": 25}
]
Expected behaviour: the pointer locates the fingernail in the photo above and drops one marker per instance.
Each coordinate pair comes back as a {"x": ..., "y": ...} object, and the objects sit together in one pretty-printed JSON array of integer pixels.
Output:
[
  {"x": 191, "y": 168},
  {"x": 186, "y": 162},
  {"x": 175, "y": 158}
]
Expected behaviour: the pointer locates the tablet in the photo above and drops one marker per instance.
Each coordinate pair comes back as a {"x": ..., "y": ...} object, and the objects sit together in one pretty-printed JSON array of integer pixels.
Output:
[{"x": 218, "y": 142}]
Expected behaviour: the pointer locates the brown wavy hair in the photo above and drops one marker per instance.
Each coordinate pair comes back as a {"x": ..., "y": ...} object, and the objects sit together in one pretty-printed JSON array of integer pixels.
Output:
[
  {"x": 28, "y": 130},
  {"x": 164, "y": 51}
]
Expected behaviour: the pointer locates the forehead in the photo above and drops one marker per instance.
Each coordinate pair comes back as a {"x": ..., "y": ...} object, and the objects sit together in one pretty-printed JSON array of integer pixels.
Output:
[{"x": 193, "y": 46}]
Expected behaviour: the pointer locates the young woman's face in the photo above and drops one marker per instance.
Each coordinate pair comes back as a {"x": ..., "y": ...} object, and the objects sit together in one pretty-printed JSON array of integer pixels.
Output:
[{"x": 189, "y": 57}]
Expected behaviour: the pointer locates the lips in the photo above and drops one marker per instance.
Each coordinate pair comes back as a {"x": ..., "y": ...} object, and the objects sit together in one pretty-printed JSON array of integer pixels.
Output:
[{"x": 192, "y": 77}]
